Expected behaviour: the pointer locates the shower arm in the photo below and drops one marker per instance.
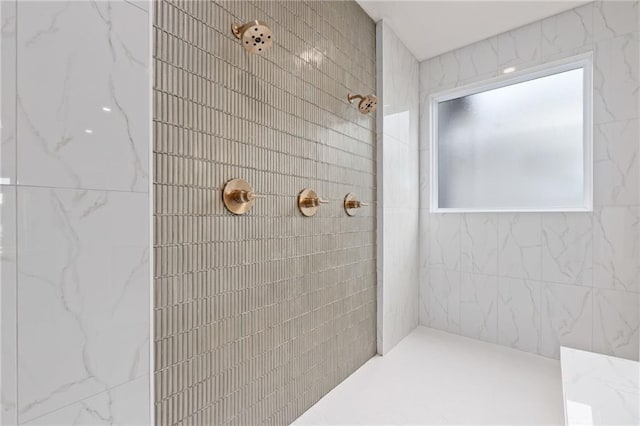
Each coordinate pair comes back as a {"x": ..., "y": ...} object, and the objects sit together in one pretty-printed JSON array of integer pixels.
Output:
[{"x": 352, "y": 97}]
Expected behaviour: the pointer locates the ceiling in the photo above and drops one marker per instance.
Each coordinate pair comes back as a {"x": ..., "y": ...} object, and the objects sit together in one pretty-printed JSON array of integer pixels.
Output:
[{"x": 431, "y": 27}]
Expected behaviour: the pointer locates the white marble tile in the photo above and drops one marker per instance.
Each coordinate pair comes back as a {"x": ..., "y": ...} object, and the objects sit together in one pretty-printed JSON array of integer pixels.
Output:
[
  {"x": 479, "y": 234},
  {"x": 425, "y": 296},
  {"x": 615, "y": 323},
  {"x": 520, "y": 245},
  {"x": 400, "y": 175},
  {"x": 478, "y": 59},
  {"x": 478, "y": 306},
  {"x": 444, "y": 300},
  {"x": 567, "y": 32},
  {"x": 8, "y": 98},
  {"x": 142, "y": 4},
  {"x": 423, "y": 76},
  {"x": 616, "y": 163},
  {"x": 443, "y": 72},
  {"x": 616, "y": 79},
  {"x": 8, "y": 289},
  {"x": 424, "y": 92},
  {"x": 401, "y": 275},
  {"x": 600, "y": 390},
  {"x": 423, "y": 174},
  {"x": 380, "y": 255},
  {"x": 83, "y": 118},
  {"x": 616, "y": 248},
  {"x": 519, "y": 308},
  {"x": 398, "y": 126},
  {"x": 401, "y": 87},
  {"x": 423, "y": 260},
  {"x": 567, "y": 316},
  {"x": 554, "y": 248},
  {"x": 567, "y": 254},
  {"x": 83, "y": 298},
  {"x": 521, "y": 46},
  {"x": 124, "y": 405},
  {"x": 613, "y": 18},
  {"x": 399, "y": 166},
  {"x": 444, "y": 249},
  {"x": 380, "y": 250}
]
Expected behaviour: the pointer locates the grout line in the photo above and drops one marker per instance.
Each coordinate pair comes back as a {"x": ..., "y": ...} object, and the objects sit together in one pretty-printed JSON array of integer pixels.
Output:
[
  {"x": 93, "y": 395},
  {"x": 151, "y": 218},
  {"x": 17, "y": 219},
  {"x": 132, "y": 3},
  {"x": 498, "y": 279},
  {"x": 69, "y": 188}
]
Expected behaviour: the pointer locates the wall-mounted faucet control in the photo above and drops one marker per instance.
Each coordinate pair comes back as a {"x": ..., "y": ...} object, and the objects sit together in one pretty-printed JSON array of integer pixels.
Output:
[
  {"x": 351, "y": 204},
  {"x": 238, "y": 196},
  {"x": 308, "y": 202}
]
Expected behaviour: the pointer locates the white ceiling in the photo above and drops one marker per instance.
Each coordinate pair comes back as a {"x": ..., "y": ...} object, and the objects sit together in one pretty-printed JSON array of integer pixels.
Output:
[{"x": 431, "y": 27}]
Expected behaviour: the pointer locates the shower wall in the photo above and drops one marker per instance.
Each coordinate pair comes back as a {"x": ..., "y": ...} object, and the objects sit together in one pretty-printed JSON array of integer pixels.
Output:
[
  {"x": 258, "y": 316},
  {"x": 398, "y": 120},
  {"x": 74, "y": 213},
  {"x": 535, "y": 281}
]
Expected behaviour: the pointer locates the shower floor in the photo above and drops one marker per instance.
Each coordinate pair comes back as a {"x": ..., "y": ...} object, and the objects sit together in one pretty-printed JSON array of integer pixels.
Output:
[{"x": 432, "y": 377}]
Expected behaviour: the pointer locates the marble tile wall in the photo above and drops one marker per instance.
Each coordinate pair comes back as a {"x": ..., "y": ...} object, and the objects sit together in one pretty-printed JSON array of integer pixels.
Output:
[
  {"x": 535, "y": 281},
  {"x": 258, "y": 316},
  {"x": 74, "y": 218},
  {"x": 595, "y": 383},
  {"x": 8, "y": 261},
  {"x": 398, "y": 163}
]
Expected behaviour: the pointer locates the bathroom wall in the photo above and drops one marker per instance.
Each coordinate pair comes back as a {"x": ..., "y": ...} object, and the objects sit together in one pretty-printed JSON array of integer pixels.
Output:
[
  {"x": 535, "y": 281},
  {"x": 74, "y": 239},
  {"x": 258, "y": 316},
  {"x": 398, "y": 245}
]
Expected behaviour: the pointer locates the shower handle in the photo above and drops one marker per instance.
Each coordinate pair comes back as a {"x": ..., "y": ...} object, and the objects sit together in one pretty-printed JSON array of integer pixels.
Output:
[
  {"x": 313, "y": 202},
  {"x": 352, "y": 204},
  {"x": 309, "y": 201},
  {"x": 238, "y": 196},
  {"x": 242, "y": 196}
]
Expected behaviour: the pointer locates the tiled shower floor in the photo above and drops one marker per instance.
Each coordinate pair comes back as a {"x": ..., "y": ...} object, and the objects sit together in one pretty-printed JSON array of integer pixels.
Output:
[{"x": 437, "y": 378}]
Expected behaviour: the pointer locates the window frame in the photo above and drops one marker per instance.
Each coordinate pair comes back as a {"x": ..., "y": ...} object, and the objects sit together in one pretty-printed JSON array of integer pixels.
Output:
[{"x": 583, "y": 61}]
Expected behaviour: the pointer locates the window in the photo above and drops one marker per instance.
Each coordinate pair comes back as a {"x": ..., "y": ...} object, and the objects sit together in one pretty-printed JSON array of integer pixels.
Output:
[{"x": 518, "y": 143}]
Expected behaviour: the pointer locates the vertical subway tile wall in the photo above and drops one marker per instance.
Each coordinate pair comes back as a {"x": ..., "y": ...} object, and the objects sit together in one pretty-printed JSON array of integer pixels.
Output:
[{"x": 258, "y": 316}]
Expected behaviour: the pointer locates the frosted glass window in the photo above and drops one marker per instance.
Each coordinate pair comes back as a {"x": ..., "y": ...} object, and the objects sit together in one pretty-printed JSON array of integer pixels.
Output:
[{"x": 522, "y": 146}]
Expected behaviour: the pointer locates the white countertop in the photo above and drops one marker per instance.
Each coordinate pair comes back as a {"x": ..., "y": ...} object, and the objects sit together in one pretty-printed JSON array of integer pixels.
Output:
[{"x": 599, "y": 389}]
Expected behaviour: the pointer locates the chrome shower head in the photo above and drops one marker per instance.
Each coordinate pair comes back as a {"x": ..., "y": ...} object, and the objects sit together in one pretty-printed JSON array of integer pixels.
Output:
[
  {"x": 367, "y": 104},
  {"x": 256, "y": 36}
]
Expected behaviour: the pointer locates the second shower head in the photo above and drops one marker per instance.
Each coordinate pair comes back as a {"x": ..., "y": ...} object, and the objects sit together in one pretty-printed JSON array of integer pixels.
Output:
[
  {"x": 256, "y": 36},
  {"x": 367, "y": 104}
]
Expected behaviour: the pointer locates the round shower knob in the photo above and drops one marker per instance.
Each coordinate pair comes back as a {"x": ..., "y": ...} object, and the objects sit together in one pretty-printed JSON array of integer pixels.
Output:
[
  {"x": 308, "y": 202},
  {"x": 238, "y": 196},
  {"x": 351, "y": 204}
]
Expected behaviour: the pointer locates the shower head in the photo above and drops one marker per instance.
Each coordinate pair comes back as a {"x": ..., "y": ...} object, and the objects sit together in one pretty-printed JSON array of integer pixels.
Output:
[
  {"x": 256, "y": 36},
  {"x": 367, "y": 104}
]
